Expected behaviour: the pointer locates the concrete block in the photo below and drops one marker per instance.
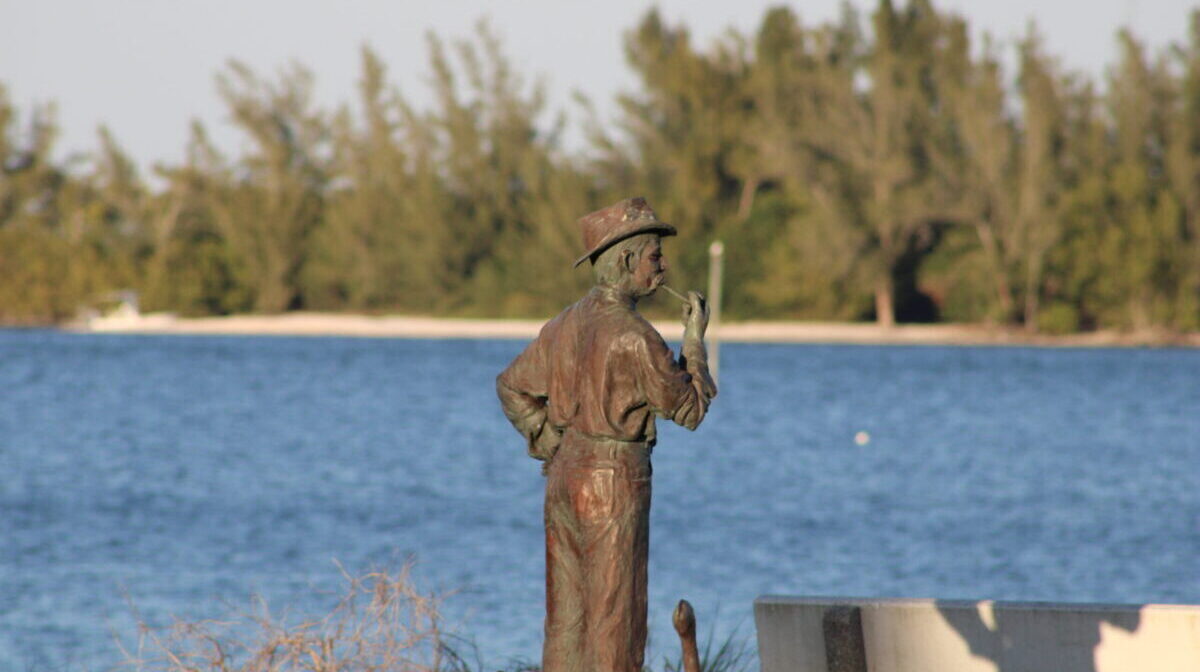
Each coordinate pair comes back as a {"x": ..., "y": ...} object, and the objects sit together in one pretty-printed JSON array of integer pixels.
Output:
[{"x": 911, "y": 635}]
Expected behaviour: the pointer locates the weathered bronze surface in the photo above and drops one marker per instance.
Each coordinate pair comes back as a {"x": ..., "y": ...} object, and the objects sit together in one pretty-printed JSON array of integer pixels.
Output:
[
  {"x": 585, "y": 394},
  {"x": 684, "y": 620}
]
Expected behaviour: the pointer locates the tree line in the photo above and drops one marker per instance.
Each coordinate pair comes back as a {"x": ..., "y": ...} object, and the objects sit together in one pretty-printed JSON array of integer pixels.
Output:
[{"x": 876, "y": 167}]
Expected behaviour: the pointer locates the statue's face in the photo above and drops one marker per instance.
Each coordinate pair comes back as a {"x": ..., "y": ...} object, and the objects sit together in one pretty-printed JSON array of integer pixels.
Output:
[{"x": 651, "y": 269}]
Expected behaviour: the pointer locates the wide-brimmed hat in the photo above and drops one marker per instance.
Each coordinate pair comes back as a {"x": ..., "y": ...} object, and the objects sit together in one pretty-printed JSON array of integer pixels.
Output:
[{"x": 604, "y": 228}]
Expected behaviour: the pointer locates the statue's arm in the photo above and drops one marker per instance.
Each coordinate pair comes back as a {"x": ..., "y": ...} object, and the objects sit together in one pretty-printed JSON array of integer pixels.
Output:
[
  {"x": 680, "y": 390},
  {"x": 522, "y": 390},
  {"x": 693, "y": 355},
  {"x": 693, "y": 358}
]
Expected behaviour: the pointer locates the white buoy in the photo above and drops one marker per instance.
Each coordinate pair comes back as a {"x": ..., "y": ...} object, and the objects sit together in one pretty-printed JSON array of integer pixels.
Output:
[{"x": 862, "y": 438}]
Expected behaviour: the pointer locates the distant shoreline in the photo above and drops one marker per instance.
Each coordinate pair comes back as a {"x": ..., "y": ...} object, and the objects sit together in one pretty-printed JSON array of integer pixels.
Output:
[{"x": 396, "y": 326}]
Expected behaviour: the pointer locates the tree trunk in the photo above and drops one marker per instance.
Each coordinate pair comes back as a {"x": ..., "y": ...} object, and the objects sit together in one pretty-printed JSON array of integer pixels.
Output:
[
  {"x": 1139, "y": 313},
  {"x": 746, "y": 202},
  {"x": 991, "y": 250},
  {"x": 273, "y": 293},
  {"x": 885, "y": 310},
  {"x": 1033, "y": 279}
]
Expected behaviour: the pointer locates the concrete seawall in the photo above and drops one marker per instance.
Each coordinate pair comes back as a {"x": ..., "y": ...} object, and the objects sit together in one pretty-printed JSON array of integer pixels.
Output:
[{"x": 909, "y": 635}]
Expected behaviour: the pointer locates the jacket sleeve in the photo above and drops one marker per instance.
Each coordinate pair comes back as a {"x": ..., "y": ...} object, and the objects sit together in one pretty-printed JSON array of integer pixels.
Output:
[
  {"x": 683, "y": 395},
  {"x": 523, "y": 391}
]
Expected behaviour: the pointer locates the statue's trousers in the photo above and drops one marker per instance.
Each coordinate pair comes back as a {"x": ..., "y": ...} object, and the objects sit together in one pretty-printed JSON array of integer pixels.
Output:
[{"x": 597, "y": 545}]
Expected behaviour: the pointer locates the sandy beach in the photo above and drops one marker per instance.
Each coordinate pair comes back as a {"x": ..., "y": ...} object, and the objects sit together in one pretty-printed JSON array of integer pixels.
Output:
[{"x": 396, "y": 326}]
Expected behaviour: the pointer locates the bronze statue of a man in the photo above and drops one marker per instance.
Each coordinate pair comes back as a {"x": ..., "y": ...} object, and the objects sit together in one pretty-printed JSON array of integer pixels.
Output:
[{"x": 585, "y": 394}]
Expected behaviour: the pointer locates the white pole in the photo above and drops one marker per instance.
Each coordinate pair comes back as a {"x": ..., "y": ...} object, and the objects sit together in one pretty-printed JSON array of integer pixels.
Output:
[{"x": 716, "y": 255}]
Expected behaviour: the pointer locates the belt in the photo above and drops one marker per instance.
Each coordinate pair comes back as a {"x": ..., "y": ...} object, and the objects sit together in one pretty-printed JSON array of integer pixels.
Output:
[{"x": 603, "y": 445}]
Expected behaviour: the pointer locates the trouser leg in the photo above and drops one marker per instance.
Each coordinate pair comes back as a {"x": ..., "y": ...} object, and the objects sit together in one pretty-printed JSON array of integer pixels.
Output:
[
  {"x": 616, "y": 587},
  {"x": 563, "y": 647},
  {"x": 597, "y": 548}
]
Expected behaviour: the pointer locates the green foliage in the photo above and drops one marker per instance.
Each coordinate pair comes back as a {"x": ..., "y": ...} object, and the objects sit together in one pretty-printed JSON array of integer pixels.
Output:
[
  {"x": 33, "y": 265},
  {"x": 1059, "y": 318},
  {"x": 853, "y": 169},
  {"x": 961, "y": 278}
]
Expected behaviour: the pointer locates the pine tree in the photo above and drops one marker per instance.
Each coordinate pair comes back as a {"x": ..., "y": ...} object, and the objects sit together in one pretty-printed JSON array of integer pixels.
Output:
[{"x": 278, "y": 196}]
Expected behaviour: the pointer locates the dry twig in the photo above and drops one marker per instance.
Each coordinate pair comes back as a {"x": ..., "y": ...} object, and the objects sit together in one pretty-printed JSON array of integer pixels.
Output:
[{"x": 381, "y": 623}]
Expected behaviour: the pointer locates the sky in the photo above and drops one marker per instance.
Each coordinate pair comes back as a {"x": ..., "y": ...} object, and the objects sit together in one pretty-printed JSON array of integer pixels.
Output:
[{"x": 146, "y": 68}]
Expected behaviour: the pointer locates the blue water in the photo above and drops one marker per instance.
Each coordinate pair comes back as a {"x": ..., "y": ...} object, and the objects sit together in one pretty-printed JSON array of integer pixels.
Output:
[{"x": 174, "y": 473}]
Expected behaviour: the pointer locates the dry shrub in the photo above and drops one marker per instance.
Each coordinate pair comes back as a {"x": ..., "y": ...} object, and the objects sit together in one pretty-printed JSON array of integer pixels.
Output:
[{"x": 381, "y": 623}]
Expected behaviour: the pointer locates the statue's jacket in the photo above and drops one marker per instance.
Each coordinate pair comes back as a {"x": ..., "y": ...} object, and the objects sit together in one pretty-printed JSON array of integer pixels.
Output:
[
  {"x": 585, "y": 394},
  {"x": 600, "y": 369}
]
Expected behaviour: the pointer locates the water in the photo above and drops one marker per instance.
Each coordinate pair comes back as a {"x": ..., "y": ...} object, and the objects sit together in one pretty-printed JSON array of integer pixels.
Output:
[{"x": 171, "y": 473}]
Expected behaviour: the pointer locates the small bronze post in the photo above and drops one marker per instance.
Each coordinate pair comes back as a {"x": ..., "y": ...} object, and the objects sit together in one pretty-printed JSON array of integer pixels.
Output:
[
  {"x": 684, "y": 619},
  {"x": 716, "y": 256}
]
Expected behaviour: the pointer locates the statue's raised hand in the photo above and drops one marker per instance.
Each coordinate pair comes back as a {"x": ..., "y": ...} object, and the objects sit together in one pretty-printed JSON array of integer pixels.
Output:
[{"x": 695, "y": 316}]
